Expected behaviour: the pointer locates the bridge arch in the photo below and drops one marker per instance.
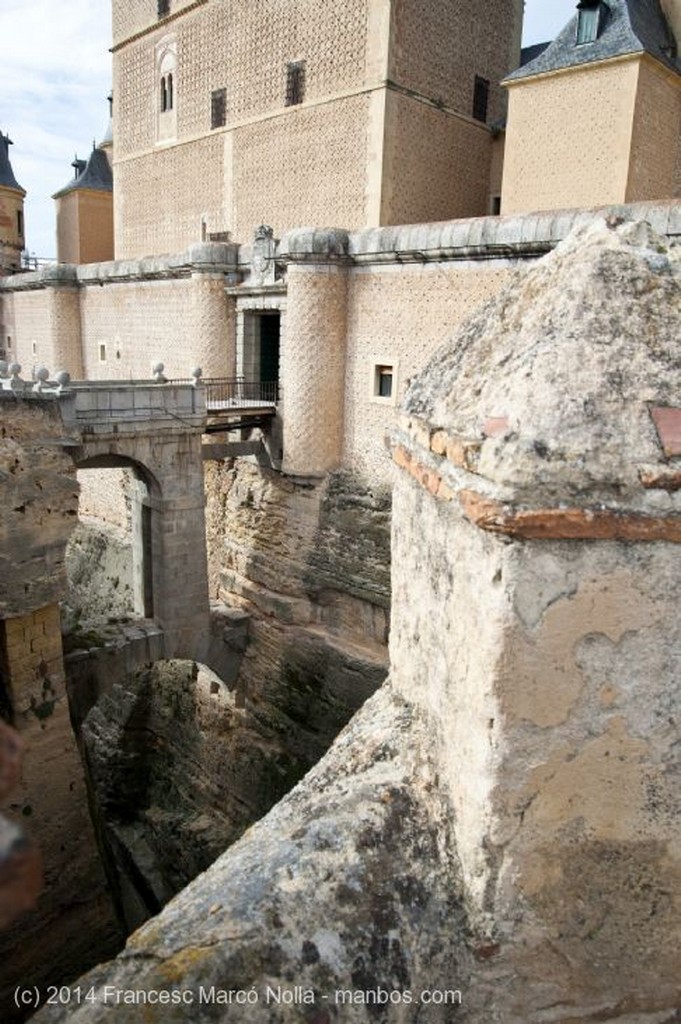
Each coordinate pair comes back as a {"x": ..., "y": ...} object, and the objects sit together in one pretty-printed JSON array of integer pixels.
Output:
[
  {"x": 156, "y": 432},
  {"x": 143, "y": 494}
]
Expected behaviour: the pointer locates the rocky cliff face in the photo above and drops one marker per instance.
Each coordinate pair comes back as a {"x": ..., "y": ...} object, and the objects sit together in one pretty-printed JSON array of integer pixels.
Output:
[
  {"x": 73, "y": 920},
  {"x": 180, "y": 762}
]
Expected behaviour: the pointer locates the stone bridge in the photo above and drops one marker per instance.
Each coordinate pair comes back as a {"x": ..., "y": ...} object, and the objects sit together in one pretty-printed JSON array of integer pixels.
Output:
[{"x": 155, "y": 430}]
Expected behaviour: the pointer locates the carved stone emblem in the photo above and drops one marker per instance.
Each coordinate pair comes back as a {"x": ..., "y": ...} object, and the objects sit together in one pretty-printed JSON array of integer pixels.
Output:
[{"x": 262, "y": 259}]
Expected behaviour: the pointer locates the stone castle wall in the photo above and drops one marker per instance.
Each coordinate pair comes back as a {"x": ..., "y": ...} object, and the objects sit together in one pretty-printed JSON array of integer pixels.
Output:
[{"x": 388, "y": 102}]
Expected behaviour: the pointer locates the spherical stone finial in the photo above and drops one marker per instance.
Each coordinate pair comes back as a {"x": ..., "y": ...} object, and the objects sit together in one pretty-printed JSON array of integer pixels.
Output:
[
  {"x": 197, "y": 374},
  {"x": 3, "y": 368},
  {"x": 42, "y": 375},
  {"x": 158, "y": 369},
  {"x": 14, "y": 369},
  {"x": 63, "y": 379}
]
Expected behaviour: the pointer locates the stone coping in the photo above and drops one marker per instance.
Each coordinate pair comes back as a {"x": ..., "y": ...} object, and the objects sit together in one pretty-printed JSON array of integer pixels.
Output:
[{"x": 529, "y": 234}]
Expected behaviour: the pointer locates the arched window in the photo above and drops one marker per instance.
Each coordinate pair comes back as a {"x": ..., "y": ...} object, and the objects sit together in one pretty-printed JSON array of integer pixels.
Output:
[{"x": 166, "y": 86}]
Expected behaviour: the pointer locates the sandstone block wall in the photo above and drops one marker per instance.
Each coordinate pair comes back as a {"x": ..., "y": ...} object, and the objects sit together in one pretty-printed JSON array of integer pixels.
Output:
[
  {"x": 446, "y": 177},
  {"x": 434, "y": 53},
  {"x": 396, "y": 317},
  {"x": 589, "y": 156}
]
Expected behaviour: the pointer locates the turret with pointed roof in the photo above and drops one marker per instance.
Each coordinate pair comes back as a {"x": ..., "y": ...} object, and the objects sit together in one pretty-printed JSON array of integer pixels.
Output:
[
  {"x": 11, "y": 212},
  {"x": 595, "y": 118},
  {"x": 85, "y": 211}
]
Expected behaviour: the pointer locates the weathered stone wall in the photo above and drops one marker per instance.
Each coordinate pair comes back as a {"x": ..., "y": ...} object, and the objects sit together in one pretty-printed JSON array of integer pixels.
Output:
[
  {"x": 499, "y": 822},
  {"x": 100, "y": 570},
  {"x": 40, "y": 495}
]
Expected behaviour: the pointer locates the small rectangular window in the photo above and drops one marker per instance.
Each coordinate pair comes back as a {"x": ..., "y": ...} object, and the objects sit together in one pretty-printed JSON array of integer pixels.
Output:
[
  {"x": 295, "y": 83},
  {"x": 163, "y": 8},
  {"x": 102, "y": 353},
  {"x": 20, "y": 223},
  {"x": 480, "y": 99},
  {"x": 383, "y": 381},
  {"x": 9, "y": 341},
  {"x": 218, "y": 108},
  {"x": 496, "y": 206}
]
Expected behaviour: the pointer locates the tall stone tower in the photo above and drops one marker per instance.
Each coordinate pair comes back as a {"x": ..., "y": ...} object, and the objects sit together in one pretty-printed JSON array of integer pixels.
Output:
[
  {"x": 11, "y": 212},
  {"x": 356, "y": 113}
]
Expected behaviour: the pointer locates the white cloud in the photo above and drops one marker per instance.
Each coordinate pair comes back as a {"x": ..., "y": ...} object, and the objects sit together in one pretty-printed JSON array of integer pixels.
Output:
[{"x": 55, "y": 75}]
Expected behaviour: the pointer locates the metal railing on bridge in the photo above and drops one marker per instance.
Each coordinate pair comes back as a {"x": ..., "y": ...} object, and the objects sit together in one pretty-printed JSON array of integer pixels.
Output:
[{"x": 225, "y": 393}]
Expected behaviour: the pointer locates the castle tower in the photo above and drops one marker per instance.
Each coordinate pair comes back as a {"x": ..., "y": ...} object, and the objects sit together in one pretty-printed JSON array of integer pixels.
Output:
[
  {"x": 85, "y": 212},
  {"x": 11, "y": 212},
  {"x": 354, "y": 113}
]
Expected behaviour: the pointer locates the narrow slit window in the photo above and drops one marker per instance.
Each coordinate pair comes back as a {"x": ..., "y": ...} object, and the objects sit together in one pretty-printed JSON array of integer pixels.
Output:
[
  {"x": 102, "y": 353},
  {"x": 169, "y": 91},
  {"x": 295, "y": 83},
  {"x": 163, "y": 8},
  {"x": 480, "y": 99},
  {"x": 218, "y": 108},
  {"x": 20, "y": 223}
]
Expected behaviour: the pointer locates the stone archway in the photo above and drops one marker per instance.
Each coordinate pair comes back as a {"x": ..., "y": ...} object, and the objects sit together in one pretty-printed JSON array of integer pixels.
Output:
[{"x": 143, "y": 493}]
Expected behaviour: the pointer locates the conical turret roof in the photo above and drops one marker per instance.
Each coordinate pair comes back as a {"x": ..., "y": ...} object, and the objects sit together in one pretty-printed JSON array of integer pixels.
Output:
[
  {"x": 6, "y": 173},
  {"x": 96, "y": 176}
]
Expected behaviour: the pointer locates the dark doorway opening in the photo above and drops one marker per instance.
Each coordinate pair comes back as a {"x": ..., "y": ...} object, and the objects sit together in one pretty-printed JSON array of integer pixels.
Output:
[{"x": 270, "y": 340}]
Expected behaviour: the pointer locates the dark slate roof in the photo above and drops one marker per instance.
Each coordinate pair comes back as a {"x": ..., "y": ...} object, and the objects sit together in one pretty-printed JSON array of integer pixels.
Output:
[
  {"x": 6, "y": 173},
  {"x": 631, "y": 26},
  {"x": 97, "y": 176},
  {"x": 529, "y": 53}
]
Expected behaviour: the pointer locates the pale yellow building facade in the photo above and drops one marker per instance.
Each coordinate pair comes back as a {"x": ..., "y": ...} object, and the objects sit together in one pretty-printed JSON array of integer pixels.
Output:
[{"x": 597, "y": 120}]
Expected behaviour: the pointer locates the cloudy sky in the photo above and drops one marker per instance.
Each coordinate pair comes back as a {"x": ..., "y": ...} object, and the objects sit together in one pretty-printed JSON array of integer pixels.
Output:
[{"x": 55, "y": 75}]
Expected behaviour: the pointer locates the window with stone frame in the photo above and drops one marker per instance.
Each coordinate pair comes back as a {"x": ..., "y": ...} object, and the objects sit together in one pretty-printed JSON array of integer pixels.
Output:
[
  {"x": 384, "y": 382},
  {"x": 295, "y": 83},
  {"x": 218, "y": 108}
]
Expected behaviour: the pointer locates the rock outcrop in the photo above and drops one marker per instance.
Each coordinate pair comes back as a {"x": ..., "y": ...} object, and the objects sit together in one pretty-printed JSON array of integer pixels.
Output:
[
  {"x": 493, "y": 838},
  {"x": 73, "y": 920}
]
